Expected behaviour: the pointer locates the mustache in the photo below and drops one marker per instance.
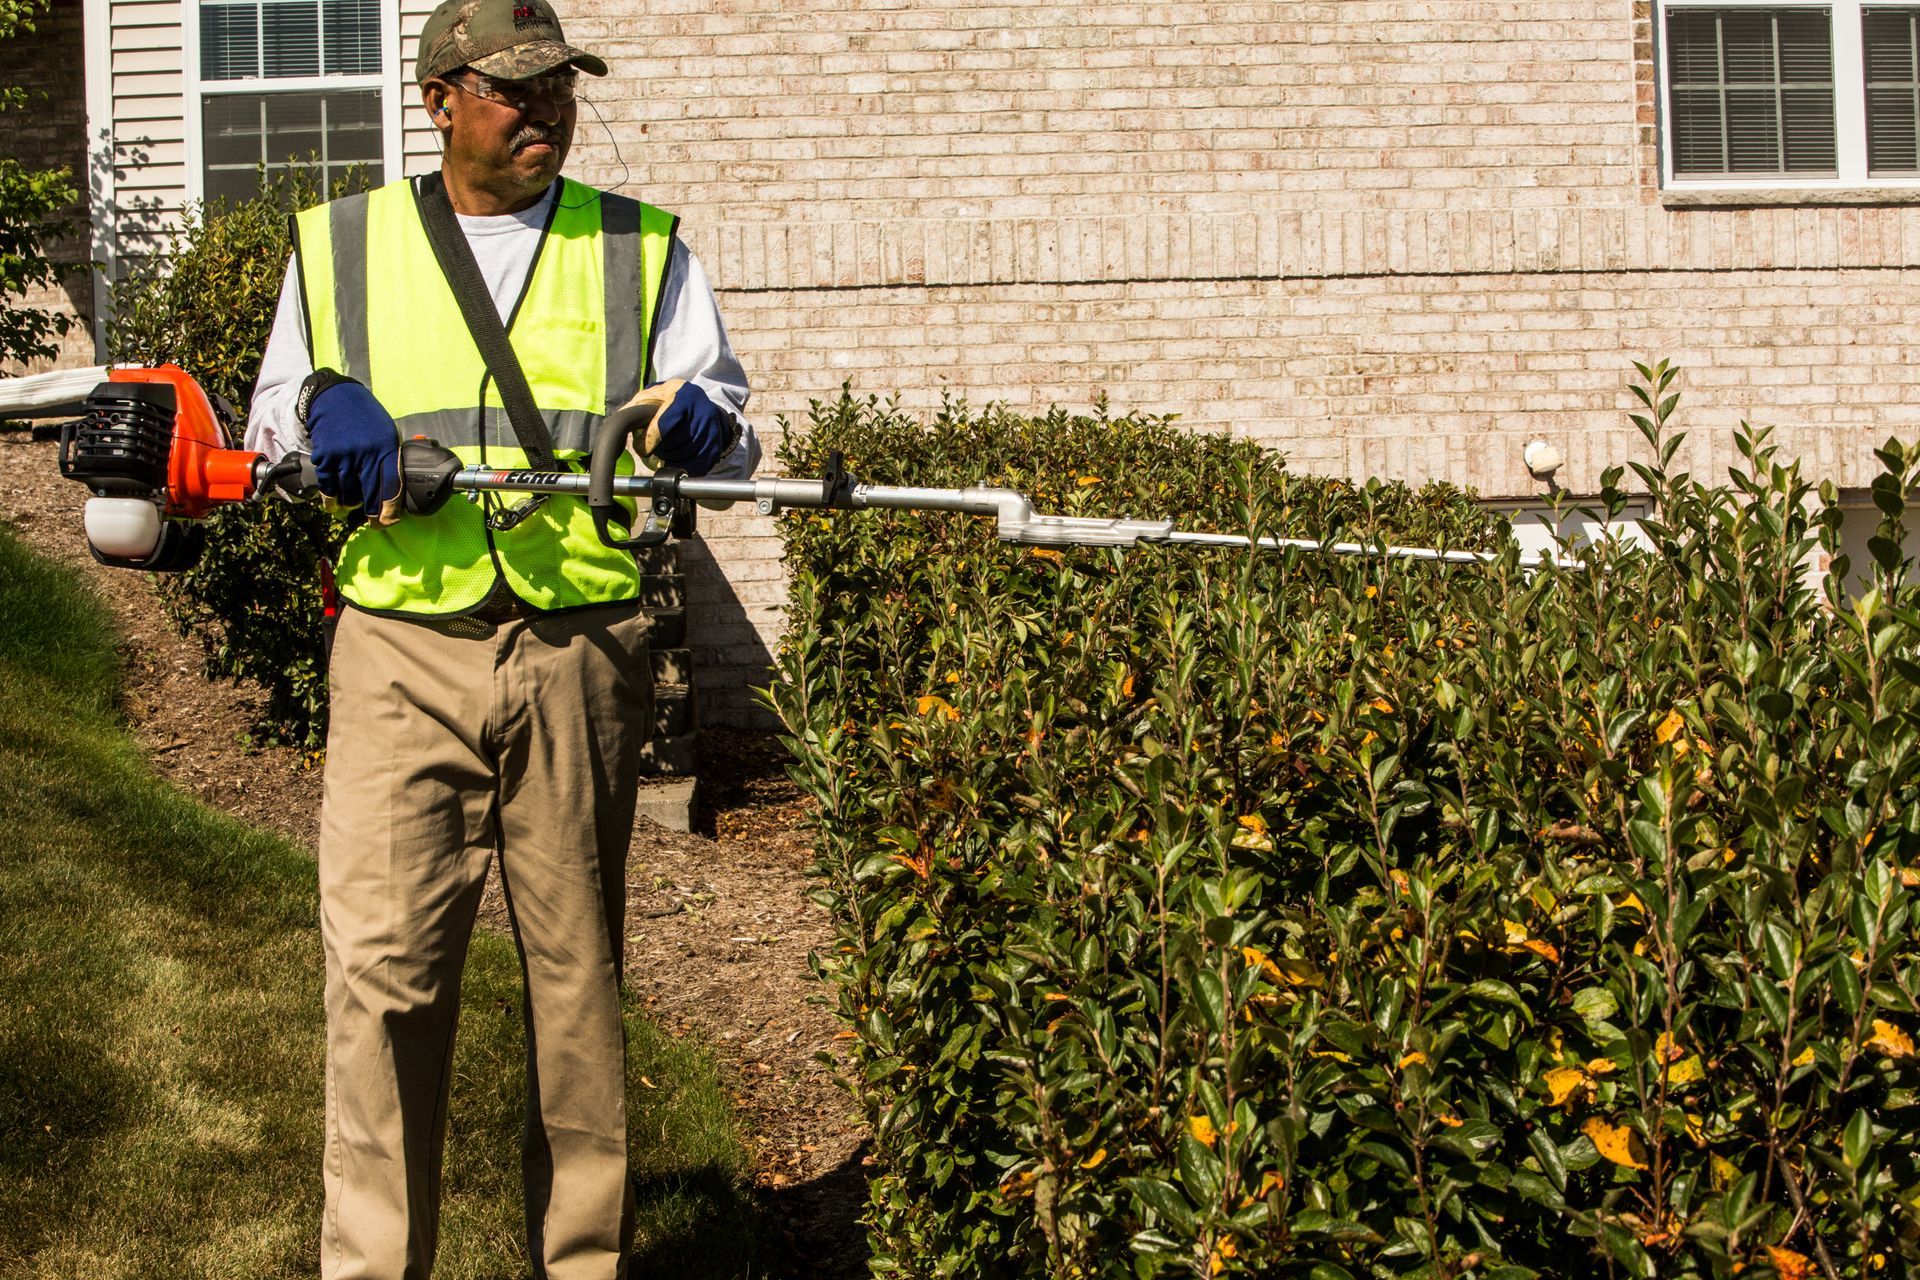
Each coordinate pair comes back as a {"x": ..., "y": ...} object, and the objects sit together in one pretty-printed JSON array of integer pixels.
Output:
[{"x": 532, "y": 133}]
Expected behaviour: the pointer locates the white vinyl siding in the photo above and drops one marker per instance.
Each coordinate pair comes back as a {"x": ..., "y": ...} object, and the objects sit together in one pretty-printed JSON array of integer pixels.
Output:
[
  {"x": 148, "y": 141},
  {"x": 420, "y": 141}
]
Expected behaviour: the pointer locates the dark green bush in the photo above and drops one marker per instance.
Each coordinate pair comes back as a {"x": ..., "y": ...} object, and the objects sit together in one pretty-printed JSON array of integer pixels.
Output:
[
  {"x": 254, "y": 598},
  {"x": 1211, "y": 913}
]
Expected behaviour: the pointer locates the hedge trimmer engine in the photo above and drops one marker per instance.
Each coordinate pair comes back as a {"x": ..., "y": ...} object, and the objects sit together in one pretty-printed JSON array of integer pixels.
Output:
[{"x": 157, "y": 455}]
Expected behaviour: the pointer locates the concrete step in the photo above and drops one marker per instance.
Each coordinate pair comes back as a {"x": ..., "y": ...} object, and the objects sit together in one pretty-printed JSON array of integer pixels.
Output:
[
  {"x": 674, "y": 711},
  {"x": 669, "y": 629},
  {"x": 672, "y": 666},
  {"x": 668, "y": 801},
  {"x": 663, "y": 591},
  {"x": 669, "y": 757},
  {"x": 664, "y": 558}
]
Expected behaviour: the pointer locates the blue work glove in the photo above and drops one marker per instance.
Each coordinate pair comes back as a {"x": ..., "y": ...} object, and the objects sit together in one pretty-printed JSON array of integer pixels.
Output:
[
  {"x": 356, "y": 446},
  {"x": 692, "y": 432}
]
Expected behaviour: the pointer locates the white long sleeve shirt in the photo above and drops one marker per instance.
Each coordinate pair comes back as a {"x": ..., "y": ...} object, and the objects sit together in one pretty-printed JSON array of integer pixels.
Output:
[{"x": 689, "y": 340}]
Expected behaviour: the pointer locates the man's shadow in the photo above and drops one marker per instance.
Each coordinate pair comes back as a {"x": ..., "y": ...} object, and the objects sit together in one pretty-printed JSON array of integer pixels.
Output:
[{"x": 811, "y": 1230}]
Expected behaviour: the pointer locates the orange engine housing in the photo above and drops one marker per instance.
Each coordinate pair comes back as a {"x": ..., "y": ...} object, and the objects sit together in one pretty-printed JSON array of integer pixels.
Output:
[{"x": 203, "y": 469}]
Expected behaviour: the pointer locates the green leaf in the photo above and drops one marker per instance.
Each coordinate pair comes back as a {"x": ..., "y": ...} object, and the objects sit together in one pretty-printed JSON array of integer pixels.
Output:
[{"x": 1595, "y": 1004}]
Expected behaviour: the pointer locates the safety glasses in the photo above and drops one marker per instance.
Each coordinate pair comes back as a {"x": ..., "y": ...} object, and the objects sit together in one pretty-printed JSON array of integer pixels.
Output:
[{"x": 557, "y": 87}]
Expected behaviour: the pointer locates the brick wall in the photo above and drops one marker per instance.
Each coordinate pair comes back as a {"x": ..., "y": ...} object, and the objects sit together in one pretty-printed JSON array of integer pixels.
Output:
[
  {"x": 50, "y": 132},
  {"x": 1387, "y": 238}
]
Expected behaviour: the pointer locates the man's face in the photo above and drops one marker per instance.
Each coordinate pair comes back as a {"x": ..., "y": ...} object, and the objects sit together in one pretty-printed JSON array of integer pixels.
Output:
[{"x": 507, "y": 136}]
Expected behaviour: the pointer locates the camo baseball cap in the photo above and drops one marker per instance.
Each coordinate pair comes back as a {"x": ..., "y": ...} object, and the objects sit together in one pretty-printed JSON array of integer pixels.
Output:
[{"x": 510, "y": 39}]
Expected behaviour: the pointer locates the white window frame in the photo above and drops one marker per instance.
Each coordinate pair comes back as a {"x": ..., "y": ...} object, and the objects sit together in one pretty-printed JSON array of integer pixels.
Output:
[
  {"x": 198, "y": 90},
  {"x": 1849, "y": 103}
]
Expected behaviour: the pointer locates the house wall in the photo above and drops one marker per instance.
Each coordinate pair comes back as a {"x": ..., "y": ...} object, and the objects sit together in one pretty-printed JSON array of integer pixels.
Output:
[
  {"x": 1396, "y": 239},
  {"x": 50, "y": 132},
  {"x": 1387, "y": 238}
]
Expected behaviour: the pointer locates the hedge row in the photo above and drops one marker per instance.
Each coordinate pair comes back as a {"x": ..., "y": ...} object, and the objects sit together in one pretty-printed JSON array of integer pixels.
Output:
[{"x": 1205, "y": 913}]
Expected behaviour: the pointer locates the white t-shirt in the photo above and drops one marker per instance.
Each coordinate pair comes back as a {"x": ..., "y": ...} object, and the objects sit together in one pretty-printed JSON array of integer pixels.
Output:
[{"x": 689, "y": 339}]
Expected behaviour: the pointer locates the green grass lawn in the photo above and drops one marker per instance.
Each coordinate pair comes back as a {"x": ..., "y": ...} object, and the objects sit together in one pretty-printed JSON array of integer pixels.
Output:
[{"x": 160, "y": 1021}]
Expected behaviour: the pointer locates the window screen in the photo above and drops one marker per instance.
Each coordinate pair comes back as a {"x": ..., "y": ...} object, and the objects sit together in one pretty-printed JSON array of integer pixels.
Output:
[
  {"x": 330, "y": 132},
  {"x": 251, "y": 39},
  {"x": 1751, "y": 91},
  {"x": 1891, "y": 39}
]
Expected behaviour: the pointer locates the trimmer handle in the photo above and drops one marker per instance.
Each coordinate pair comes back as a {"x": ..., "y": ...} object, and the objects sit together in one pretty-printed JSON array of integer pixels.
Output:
[
  {"x": 427, "y": 469},
  {"x": 616, "y": 434}
]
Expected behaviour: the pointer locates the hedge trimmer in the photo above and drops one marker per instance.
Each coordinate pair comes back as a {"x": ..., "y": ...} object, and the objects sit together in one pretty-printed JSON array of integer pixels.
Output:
[{"x": 159, "y": 458}]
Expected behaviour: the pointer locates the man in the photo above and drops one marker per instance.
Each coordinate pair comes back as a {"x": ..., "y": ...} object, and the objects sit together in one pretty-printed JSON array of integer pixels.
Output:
[{"x": 490, "y": 678}]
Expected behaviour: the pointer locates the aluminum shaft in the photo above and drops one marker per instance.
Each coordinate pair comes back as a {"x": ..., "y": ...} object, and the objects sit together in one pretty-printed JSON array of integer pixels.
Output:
[{"x": 1013, "y": 514}]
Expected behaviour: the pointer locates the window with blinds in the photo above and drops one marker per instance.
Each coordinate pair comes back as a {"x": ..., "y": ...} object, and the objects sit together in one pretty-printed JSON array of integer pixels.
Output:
[
  {"x": 268, "y": 39},
  {"x": 1751, "y": 91},
  {"x": 337, "y": 135},
  {"x": 1890, "y": 47},
  {"x": 289, "y": 84}
]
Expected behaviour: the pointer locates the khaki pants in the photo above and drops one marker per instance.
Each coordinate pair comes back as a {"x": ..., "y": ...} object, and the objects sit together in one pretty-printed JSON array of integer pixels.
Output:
[{"x": 443, "y": 749}]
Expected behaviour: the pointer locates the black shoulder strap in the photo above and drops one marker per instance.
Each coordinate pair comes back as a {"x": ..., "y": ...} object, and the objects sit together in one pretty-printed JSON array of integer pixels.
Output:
[{"x": 462, "y": 272}]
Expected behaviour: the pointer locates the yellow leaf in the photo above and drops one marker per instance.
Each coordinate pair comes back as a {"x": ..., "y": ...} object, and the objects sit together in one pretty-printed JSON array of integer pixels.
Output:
[
  {"x": 1723, "y": 1172},
  {"x": 1670, "y": 727},
  {"x": 1223, "y": 1249},
  {"x": 1126, "y": 686},
  {"x": 1665, "y": 1050},
  {"x": 1084, "y": 481},
  {"x": 1093, "y": 1161},
  {"x": 1201, "y": 1127},
  {"x": 1295, "y": 973},
  {"x": 1381, "y": 705},
  {"x": 931, "y": 703},
  {"x": 1020, "y": 1184},
  {"x": 1789, "y": 1265},
  {"x": 1372, "y": 591},
  {"x": 1399, "y": 878},
  {"x": 1271, "y": 1181},
  {"x": 1564, "y": 1083},
  {"x": 1046, "y": 553},
  {"x": 1452, "y": 1122},
  {"x": 1802, "y": 1058},
  {"x": 1890, "y": 1040},
  {"x": 1689, "y": 1070},
  {"x": 1415, "y": 1057},
  {"x": 1602, "y": 1066},
  {"x": 953, "y": 677},
  {"x": 1616, "y": 1143},
  {"x": 1252, "y": 835}
]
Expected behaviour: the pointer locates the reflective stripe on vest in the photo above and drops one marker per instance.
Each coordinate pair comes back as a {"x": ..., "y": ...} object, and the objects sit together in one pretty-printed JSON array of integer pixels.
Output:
[{"x": 378, "y": 309}]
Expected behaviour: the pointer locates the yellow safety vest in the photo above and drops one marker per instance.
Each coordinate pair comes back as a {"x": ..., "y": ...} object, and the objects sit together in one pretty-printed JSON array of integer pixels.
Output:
[{"x": 379, "y": 310}]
